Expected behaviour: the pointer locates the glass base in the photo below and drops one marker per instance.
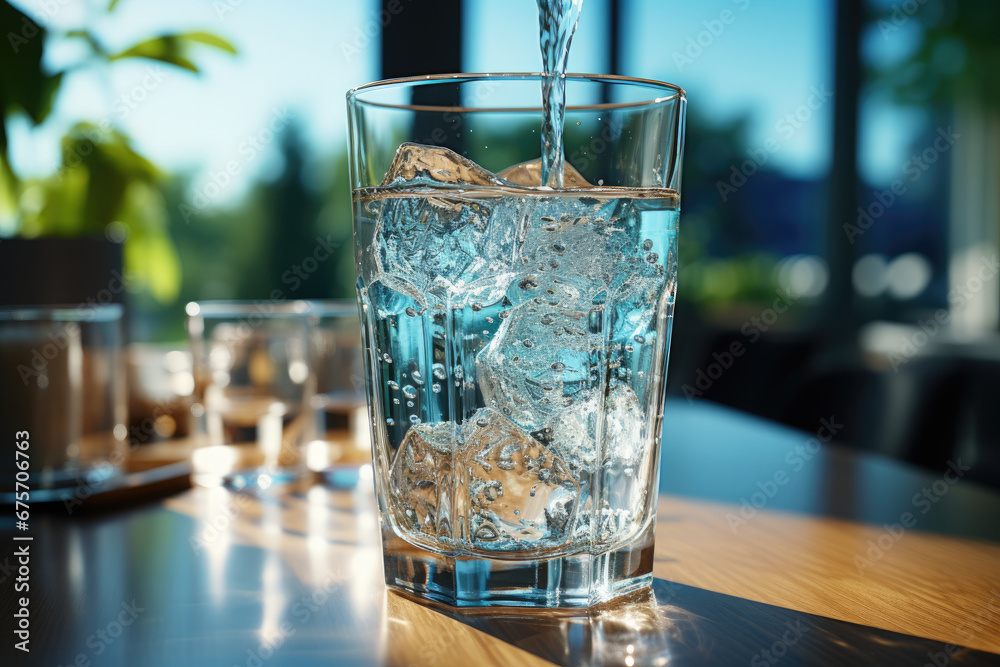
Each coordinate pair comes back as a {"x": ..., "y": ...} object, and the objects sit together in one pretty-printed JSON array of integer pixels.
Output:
[
  {"x": 262, "y": 478},
  {"x": 87, "y": 476},
  {"x": 572, "y": 582}
]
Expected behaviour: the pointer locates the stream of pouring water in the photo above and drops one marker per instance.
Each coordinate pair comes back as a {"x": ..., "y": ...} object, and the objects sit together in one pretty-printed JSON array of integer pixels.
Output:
[{"x": 557, "y": 21}]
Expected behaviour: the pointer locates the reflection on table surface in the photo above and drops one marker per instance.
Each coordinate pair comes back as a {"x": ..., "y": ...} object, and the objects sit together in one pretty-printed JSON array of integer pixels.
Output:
[{"x": 294, "y": 576}]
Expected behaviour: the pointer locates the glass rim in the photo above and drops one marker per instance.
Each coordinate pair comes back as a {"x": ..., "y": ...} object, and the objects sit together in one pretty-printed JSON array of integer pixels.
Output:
[
  {"x": 223, "y": 308},
  {"x": 98, "y": 312},
  {"x": 333, "y": 307},
  {"x": 354, "y": 95}
]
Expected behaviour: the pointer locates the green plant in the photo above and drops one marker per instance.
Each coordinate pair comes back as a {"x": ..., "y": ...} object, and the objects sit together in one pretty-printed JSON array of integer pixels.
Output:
[
  {"x": 102, "y": 179},
  {"x": 955, "y": 55}
]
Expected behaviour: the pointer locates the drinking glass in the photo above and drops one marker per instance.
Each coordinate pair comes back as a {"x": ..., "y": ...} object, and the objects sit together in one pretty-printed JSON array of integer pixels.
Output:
[
  {"x": 343, "y": 435},
  {"x": 253, "y": 384},
  {"x": 516, "y": 336},
  {"x": 62, "y": 383}
]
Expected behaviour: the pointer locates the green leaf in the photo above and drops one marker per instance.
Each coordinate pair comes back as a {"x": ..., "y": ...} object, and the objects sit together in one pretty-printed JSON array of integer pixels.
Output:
[
  {"x": 165, "y": 49},
  {"x": 153, "y": 261},
  {"x": 112, "y": 5},
  {"x": 174, "y": 49},
  {"x": 150, "y": 254},
  {"x": 210, "y": 40},
  {"x": 24, "y": 84},
  {"x": 88, "y": 37}
]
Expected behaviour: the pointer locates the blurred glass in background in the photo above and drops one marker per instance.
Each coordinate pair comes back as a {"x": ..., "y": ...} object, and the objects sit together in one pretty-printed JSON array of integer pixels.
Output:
[
  {"x": 342, "y": 444},
  {"x": 253, "y": 391},
  {"x": 64, "y": 362}
]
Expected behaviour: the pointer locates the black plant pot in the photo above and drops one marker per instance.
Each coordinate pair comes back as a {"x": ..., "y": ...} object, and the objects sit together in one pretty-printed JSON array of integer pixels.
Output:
[{"x": 71, "y": 271}]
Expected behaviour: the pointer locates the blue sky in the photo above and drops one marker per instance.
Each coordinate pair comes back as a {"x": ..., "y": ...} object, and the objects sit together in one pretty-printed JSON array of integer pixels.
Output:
[{"x": 302, "y": 56}]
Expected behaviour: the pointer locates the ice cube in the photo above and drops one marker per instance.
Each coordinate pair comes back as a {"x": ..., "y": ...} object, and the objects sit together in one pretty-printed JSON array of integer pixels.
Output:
[
  {"x": 592, "y": 236},
  {"x": 556, "y": 290},
  {"x": 421, "y": 482},
  {"x": 623, "y": 429},
  {"x": 540, "y": 359},
  {"x": 625, "y": 468},
  {"x": 448, "y": 243},
  {"x": 529, "y": 174},
  {"x": 520, "y": 493},
  {"x": 435, "y": 165},
  {"x": 443, "y": 244},
  {"x": 572, "y": 434}
]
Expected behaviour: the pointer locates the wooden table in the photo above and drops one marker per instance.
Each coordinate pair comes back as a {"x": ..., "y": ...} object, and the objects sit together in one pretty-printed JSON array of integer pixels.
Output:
[{"x": 811, "y": 569}]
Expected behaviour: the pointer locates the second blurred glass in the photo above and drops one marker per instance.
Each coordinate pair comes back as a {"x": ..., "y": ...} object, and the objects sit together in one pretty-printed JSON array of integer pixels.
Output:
[
  {"x": 253, "y": 384},
  {"x": 342, "y": 444}
]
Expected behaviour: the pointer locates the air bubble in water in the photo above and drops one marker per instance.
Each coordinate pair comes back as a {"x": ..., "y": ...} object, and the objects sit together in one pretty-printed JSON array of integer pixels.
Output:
[
  {"x": 409, "y": 391},
  {"x": 393, "y": 385},
  {"x": 439, "y": 372},
  {"x": 411, "y": 312},
  {"x": 414, "y": 419},
  {"x": 436, "y": 388},
  {"x": 390, "y": 421}
]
